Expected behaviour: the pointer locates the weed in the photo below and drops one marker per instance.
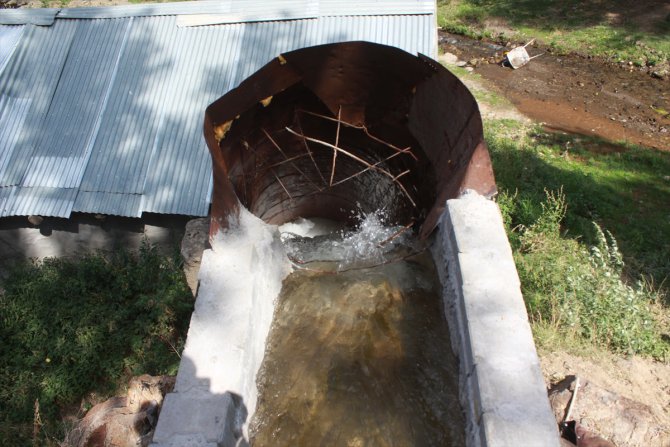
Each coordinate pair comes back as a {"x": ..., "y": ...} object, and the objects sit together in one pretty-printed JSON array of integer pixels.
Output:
[
  {"x": 580, "y": 293},
  {"x": 71, "y": 328},
  {"x": 621, "y": 187},
  {"x": 565, "y": 26}
]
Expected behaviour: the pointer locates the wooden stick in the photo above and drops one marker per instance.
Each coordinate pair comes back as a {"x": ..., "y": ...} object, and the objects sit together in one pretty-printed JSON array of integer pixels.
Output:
[
  {"x": 400, "y": 175},
  {"x": 309, "y": 152},
  {"x": 360, "y": 160},
  {"x": 531, "y": 41},
  {"x": 572, "y": 400},
  {"x": 337, "y": 143},
  {"x": 288, "y": 160},
  {"x": 407, "y": 150},
  {"x": 282, "y": 185},
  {"x": 274, "y": 143},
  {"x": 396, "y": 234},
  {"x": 338, "y": 149},
  {"x": 367, "y": 169}
]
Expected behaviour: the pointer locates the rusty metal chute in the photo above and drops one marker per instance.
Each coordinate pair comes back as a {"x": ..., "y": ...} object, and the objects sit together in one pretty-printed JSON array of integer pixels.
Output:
[{"x": 331, "y": 130}]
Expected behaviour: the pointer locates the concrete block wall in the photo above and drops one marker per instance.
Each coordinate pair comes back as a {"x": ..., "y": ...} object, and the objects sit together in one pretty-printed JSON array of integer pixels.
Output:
[{"x": 502, "y": 389}]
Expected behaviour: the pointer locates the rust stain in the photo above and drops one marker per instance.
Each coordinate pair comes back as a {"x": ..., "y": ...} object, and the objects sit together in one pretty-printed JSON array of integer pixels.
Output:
[
  {"x": 335, "y": 129},
  {"x": 221, "y": 130}
]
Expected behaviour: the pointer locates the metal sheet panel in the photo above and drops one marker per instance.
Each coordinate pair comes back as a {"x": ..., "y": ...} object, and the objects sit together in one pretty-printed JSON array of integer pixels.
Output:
[
  {"x": 375, "y": 7},
  {"x": 255, "y": 9},
  {"x": 128, "y": 205},
  {"x": 9, "y": 39},
  {"x": 134, "y": 114},
  {"x": 6, "y": 195},
  {"x": 66, "y": 139},
  {"x": 55, "y": 202},
  {"x": 13, "y": 113},
  {"x": 114, "y": 107},
  {"x": 36, "y": 16},
  {"x": 147, "y": 10},
  {"x": 33, "y": 73},
  {"x": 414, "y": 34}
]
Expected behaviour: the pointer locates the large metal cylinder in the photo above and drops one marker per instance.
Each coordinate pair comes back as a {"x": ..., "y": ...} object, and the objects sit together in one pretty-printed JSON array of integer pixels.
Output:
[{"x": 338, "y": 129}]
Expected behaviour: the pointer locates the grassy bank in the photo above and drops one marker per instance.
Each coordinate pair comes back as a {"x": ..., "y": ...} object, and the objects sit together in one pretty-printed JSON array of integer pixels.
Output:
[
  {"x": 622, "y": 31},
  {"x": 74, "y": 331},
  {"x": 588, "y": 222}
]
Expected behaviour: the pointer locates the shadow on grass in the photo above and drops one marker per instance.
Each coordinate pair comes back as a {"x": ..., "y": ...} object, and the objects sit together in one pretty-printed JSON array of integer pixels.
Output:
[
  {"x": 569, "y": 14},
  {"x": 75, "y": 329},
  {"x": 625, "y": 189}
]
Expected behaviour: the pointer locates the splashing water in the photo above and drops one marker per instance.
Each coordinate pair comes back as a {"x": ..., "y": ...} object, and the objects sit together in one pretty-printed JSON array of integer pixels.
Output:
[{"x": 372, "y": 242}]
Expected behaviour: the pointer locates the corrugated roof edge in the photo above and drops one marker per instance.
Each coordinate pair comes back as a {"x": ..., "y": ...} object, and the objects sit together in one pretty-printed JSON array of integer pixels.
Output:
[
  {"x": 41, "y": 17},
  {"x": 46, "y": 17}
]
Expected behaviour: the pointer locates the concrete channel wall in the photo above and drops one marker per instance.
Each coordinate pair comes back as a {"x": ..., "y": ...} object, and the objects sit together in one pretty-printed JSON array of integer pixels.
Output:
[
  {"x": 215, "y": 392},
  {"x": 502, "y": 390}
]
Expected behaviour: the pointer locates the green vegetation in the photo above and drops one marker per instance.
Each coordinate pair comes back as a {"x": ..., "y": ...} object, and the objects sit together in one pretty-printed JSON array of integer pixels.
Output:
[
  {"x": 589, "y": 223},
  {"x": 76, "y": 329},
  {"x": 617, "y": 30}
]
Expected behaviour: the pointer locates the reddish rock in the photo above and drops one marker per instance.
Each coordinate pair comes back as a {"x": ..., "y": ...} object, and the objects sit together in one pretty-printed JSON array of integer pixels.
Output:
[{"x": 124, "y": 421}]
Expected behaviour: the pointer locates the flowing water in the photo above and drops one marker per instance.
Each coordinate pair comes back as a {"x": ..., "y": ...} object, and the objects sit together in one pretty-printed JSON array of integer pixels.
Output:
[{"x": 359, "y": 351}]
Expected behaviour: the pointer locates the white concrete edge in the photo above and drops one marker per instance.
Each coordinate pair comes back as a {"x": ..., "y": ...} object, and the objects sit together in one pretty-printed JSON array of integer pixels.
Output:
[
  {"x": 215, "y": 392},
  {"x": 503, "y": 393}
]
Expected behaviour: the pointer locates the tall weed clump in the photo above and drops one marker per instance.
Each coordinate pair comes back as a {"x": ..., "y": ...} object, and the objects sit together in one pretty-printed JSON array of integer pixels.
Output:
[
  {"x": 577, "y": 293},
  {"x": 73, "y": 328}
]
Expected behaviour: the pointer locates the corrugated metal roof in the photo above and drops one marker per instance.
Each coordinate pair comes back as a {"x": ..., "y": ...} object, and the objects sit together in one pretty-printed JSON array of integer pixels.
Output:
[
  {"x": 255, "y": 10},
  {"x": 38, "y": 16},
  {"x": 104, "y": 115},
  {"x": 9, "y": 38}
]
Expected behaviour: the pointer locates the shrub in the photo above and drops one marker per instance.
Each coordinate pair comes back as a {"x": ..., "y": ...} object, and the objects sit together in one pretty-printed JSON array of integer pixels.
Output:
[
  {"x": 581, "y": 291},
  {"x": 70, "y": 328}
]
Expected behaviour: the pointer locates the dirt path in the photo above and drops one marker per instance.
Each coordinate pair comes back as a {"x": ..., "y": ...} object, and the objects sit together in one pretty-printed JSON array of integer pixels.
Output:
[{"x": 576, "y": 94}]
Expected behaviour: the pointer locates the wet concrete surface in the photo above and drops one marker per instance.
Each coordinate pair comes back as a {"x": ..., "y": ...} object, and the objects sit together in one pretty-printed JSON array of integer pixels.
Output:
[{"x": 575, "y": 94}]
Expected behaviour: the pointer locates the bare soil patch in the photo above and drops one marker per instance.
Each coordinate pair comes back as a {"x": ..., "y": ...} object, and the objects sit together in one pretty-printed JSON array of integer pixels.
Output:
[
  {"x": 635, "y": 379},
  {"x": 576, "y": 94}
]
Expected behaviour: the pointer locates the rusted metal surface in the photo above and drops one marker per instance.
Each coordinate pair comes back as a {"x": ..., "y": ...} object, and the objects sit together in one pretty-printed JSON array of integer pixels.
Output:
[{"x": 333, "y": 130}]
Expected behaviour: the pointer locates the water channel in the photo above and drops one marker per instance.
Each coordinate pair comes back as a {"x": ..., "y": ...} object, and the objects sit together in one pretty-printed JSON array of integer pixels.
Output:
[{"x": 359, "y": 352}]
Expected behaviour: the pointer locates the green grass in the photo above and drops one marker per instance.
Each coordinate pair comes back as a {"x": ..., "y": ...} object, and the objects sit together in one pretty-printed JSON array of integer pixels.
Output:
[
  {"x": 73, "y": 329},
  {"x": 589, "y": 233},
  {"x": 566, "y": 26}
]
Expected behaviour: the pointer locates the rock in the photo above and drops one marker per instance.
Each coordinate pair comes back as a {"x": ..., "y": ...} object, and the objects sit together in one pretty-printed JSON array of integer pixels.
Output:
[
  {"x": 448, "y": 58},
  {"x": 12, "y": 3},
  {"x": 194, "y": 242},
  {"x": 615, "y": 418},
  {"x": 35, "y": 220},
  {"x": 660, "y": 74},
  {"x": 124, "y": 421},
  {"x": 473, "y": 62}
]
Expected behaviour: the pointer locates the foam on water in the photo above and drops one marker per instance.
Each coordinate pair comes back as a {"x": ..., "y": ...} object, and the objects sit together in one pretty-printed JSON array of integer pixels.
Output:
[{"x": 372, "y": 242}]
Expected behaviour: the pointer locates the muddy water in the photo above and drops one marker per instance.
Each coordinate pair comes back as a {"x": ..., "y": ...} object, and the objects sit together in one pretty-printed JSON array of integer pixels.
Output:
[
  {"x": 576, "y": 94},
  {"x": 359, "y": 358}
]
